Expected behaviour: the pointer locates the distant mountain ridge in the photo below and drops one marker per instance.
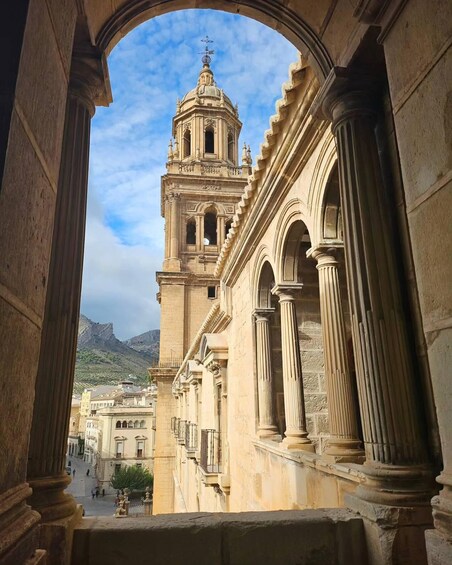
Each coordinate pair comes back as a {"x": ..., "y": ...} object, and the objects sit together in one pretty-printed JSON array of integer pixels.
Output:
[{"x": 103, "y": 359}]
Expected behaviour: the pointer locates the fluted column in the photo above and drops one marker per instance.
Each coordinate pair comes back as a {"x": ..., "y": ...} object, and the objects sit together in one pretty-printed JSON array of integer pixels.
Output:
[
  {"x": 48, "y": 440},
  {"x": 344, "y": 443},
  {"x": 392, "y": 426},
  {"x": 296, "y": 436},
  {"x": 267, "y": 426}
]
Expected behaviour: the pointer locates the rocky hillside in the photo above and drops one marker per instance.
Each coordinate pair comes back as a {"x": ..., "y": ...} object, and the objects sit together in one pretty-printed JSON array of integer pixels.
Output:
[{"x": 104, "y": 359}]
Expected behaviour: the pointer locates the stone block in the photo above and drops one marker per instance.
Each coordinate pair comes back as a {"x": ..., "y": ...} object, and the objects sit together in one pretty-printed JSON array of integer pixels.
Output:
[
  {"x": 43, "y": 108},
  {"x": 439, "y": 550},
  {"x": 27, "y": 205},
  {"x": 312, "y": 361},
  {"x": 424, "y": 132},
  {"x": 19, "y": 350},
  {"x": 311, "y": 382},
  {"x": 432, "y": 254},
  {"x": 63, "y": 14},
  {"x": 315, "y": 403},
  {"x": 323, "y": 426}
]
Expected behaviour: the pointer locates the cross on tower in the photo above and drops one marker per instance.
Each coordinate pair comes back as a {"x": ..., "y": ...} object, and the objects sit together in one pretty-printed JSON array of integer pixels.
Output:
[{"x": 207, "y": 52}]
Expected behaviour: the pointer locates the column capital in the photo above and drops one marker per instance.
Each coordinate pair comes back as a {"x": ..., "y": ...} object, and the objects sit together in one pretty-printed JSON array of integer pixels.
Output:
[
  {"x": 89, "y": 79},
  {"x": 325, "y": 255},
  {"x": 285, "y": 292},
  {"x": 171, "y": 196},
  {"x": 344, "y": 94},
  {"x": 261, "y": 314}
]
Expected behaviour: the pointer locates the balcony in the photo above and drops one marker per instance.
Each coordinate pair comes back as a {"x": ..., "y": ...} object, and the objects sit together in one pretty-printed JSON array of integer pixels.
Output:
[
  {"x": 211, "y": 456},
  {"x": 180, "y": 434},
  {"x": 213, "y": 169},
  {"x": 191, "y": 439}
]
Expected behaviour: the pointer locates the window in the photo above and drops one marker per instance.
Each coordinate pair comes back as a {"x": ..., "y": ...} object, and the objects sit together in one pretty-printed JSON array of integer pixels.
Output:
[
  {"x": 124, "y": 424},
  {"x": 117, "y": 468},
  {"x": 191, "y": 231},
  {"x": 210, "y": 227},
  {"x": 230, "y": 147},
  {"x": 211, "y": 292},
  {"x": 140, "y": 448},
  {"x": 136, "y": 424},
  {"x": 119, "y": 449},
  {"x": 209, "y": 146},
  {"x": 130, "y": 424},
  {"x": 139, "y": 465},
  {"x": 187, "y": 143},
  {"x": 142, "y": 424},
  {"x": 118, "y": 424}
]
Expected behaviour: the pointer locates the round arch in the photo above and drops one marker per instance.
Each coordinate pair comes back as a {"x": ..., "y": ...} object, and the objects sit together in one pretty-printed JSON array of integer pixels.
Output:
[
  {"x": 277, "y": 16},
  {"x": 285, "y": 258},
  {"x": 263, "y": 258}
]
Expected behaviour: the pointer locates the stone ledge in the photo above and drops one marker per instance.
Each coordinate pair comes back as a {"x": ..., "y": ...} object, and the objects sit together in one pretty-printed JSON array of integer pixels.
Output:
[{"x": 275, "y": 538}]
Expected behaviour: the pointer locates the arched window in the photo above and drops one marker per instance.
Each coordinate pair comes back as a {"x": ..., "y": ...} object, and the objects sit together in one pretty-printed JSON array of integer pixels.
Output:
[
  {"x": 124, "y": 424},
  {"x": 142, "y": 424},
  {"x": 209, "y": 145},
  {"x": 191, "y": 231},
  {"x": 227, "y": 227},
  {"x": 210, "y": 227},
  {"x": 118, "y": 424},
  {"x": 187, "y": 143},
  {"x": 230, "y": 147},
  {"x": 136, "y": 424},
  {"x": 130, "y": 424}
]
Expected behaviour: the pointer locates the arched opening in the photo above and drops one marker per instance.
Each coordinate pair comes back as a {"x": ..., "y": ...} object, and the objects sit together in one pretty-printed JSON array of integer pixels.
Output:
[
  {"x": 190, "y": 235},
  {"x": 231, "y": 147},
  {"x": 227, "y": 227},
  {"x": 331, "y": 213},
  {"x": 187, "y": 143},
  {"x": 209, "y": 140},
  {"x": 210, "y": 226},
  {"x": 124, "y": 424},
  {"x": 118, "y": 424}
]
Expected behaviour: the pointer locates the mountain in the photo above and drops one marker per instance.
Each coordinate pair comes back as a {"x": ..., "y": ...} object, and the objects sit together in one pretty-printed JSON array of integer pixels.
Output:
[{"x": 104, "y": 359}]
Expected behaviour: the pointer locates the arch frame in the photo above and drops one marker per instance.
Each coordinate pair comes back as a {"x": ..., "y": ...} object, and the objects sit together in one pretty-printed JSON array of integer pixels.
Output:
[{"x": 263, "y": 256}]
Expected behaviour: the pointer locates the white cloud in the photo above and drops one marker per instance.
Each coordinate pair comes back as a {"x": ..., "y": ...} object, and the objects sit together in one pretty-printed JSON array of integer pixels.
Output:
[{"x": 156, "y": 63}]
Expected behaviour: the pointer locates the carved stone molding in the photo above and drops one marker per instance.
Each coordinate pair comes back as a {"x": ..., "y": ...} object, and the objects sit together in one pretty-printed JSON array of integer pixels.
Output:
[{"x": 89, "y": 79}]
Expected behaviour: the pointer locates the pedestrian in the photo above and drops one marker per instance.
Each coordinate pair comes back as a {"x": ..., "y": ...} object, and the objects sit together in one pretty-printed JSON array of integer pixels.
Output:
[
  {"x": 103, "y": 492},
  {"x": 93, "y": 493},
  {"x": 87, "y": 472},
  {"x": 73, "y": 472},
  {"x": 97, "y": 492}
]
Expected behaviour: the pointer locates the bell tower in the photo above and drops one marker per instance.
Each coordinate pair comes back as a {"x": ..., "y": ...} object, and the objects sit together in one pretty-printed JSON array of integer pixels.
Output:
[{"x": 199, "y": 192}]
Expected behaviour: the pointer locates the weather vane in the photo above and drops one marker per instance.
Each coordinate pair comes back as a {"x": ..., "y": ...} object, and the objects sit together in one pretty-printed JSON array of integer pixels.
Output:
[{"x": 207, "y": 52}]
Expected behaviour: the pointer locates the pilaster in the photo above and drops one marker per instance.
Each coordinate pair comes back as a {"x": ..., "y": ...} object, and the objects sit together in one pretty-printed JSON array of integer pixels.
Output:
[{"x": 296, "y": 436}]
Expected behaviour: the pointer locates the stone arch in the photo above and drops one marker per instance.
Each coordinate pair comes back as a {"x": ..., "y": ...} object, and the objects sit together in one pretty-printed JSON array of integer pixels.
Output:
[
  {"x": 288, "y": 240},
  {"x": 277, "y": 16},
  {"x": 263, "y": 258}
]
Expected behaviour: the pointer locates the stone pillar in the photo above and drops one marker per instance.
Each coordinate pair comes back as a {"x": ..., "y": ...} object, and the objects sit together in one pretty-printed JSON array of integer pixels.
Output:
[
  {"x": 199, "y": 232},
  {"x": 267, "y": 426},
  {"x": 53, "y": 391},
  {"x": 220, "y": 230},
  {"x": 344, "y": 444},
  {"x": 397, "y": 471},
  {"x": 296, "y": 436}
]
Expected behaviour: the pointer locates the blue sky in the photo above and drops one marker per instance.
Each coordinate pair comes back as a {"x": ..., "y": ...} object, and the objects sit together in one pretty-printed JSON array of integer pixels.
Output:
[{"x": 149, "y": 69}]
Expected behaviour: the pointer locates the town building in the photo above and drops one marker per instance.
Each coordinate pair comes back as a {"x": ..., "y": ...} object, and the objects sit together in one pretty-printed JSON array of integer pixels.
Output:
[{"x": 370, "y": 99}]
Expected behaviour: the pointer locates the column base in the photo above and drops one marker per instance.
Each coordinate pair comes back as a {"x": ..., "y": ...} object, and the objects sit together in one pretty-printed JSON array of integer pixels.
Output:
[
  {"x": 397, "y": 486},
  {"x": 56, "y": 538},
  {"x": 344, "y": 451},
  {"x": 19, "y": 530},
  {"x": 293, "y": 443},
  {"x": 394, "y": 534},
  {"x": 269, "y": 432},
  {"x": 49, "y": 498}
]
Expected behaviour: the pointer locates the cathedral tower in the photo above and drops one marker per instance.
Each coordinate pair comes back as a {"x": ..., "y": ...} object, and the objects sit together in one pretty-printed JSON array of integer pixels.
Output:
[{"x": 199, "y": 192}]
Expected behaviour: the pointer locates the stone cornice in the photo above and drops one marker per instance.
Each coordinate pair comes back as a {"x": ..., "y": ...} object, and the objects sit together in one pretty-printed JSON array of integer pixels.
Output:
[{"x": 283, "y": 155}]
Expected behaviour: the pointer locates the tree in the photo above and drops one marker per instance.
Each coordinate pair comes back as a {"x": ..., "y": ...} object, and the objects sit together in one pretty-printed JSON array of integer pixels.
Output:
[{"x": 133, "y": 478}]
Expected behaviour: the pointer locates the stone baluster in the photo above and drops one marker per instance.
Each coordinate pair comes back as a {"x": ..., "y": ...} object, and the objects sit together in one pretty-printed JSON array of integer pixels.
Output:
[
  {"x": 267, "y": 426},
  {"x": 344, "y": 443},
  {"x": 396, "y": 461},
  {"x": 48, "y": 439},
  {"x": 296, "y": 436}
]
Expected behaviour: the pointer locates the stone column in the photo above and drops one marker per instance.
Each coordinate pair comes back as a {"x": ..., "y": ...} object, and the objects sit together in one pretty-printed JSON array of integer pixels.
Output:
[
  {"x": 199, "y": 232},
  {"x": 344, "y": 444},
  {"x": 220, "y": 230},
  {"x": 396, "y": 459},
  {"x": 48, "y": 439},
  {"x": 296, "y": 436},
  {"x": 267, "y": 426}
]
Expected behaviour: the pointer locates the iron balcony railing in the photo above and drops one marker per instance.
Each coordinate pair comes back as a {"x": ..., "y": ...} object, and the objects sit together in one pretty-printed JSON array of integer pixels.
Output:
[
  {"x": 211, "y": 456},
  {"x": 166, "y": 362},
  {"x": 191, "y": 436},
  {"x": 181, "y": 431}
]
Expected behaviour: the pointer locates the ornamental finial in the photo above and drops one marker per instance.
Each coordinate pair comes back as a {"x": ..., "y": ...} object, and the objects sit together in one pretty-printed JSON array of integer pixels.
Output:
[{"x": 206, "y": 59}]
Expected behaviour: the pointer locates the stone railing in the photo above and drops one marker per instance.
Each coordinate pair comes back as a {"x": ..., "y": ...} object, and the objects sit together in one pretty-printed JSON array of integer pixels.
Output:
[{"x": 210, "y": 169}]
